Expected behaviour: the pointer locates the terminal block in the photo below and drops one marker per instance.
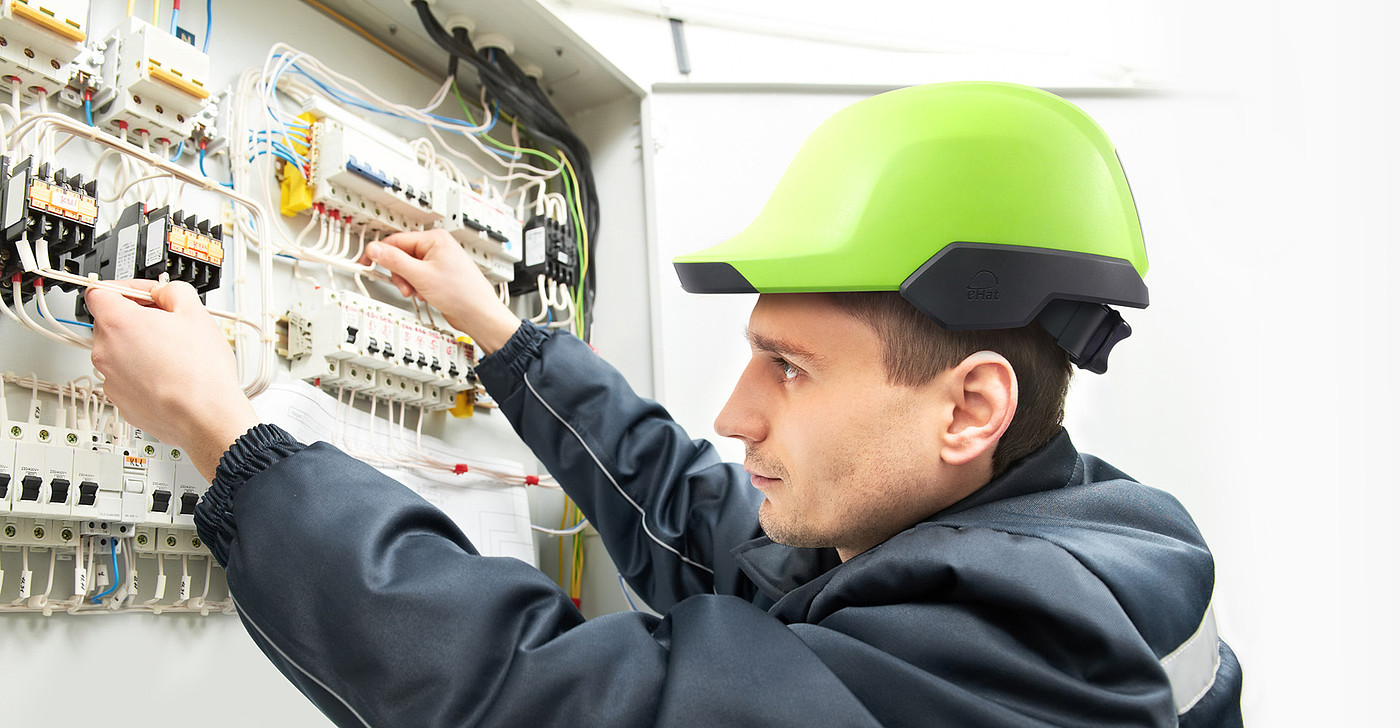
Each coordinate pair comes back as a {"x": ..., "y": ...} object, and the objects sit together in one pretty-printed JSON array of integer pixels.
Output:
[
  {"x": 550, "y": 250},
  {"x": 42, "y": 207},
  {"x": 146, "y": 244}
]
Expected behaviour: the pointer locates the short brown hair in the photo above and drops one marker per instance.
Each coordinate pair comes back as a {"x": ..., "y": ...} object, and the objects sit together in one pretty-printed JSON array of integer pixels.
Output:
[{"x": 916, "y": 350}]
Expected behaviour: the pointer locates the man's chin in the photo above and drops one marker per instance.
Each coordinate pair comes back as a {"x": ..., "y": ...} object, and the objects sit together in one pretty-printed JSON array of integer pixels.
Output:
[{"x": 784, "y": 533}]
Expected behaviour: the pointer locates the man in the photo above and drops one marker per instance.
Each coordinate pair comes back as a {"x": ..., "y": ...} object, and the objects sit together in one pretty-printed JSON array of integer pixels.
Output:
[{"x": 915, "y": 541}]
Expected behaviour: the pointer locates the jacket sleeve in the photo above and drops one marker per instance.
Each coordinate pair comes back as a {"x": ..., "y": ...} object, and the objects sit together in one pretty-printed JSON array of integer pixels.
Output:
[
  {"x": 669, "y": 511},
  {"x": 379, "y": 610}
]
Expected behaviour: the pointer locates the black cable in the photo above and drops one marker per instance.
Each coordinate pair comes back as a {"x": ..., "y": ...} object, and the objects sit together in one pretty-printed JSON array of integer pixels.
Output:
[{"x": 521, "y": 96}]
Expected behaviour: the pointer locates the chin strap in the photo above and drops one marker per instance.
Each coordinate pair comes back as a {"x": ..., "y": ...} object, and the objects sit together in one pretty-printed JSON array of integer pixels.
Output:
[{"x": 1088, "y": 331}]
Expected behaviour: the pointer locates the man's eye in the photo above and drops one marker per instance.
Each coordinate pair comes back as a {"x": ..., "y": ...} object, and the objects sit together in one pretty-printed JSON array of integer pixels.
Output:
[{"x": 789, "y": 370}]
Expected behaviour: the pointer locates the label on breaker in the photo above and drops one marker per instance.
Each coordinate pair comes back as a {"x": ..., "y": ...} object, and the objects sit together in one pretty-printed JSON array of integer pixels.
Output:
[
  {"x": 534, "y": 246},
  {"x": 126, "y": 252},
  {"x": 193, "y": 245},
  {"x": 59, "y": 201},
  {"x": 155, "y": 247}
]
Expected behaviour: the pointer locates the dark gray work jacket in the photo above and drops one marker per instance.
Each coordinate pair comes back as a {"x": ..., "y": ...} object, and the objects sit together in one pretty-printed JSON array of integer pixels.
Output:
[{"x": 1060, "y": 594}]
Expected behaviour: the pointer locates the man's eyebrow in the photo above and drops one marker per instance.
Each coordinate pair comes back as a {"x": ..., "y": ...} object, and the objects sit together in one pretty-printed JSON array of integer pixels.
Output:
[{"x": 779, "y": 346}]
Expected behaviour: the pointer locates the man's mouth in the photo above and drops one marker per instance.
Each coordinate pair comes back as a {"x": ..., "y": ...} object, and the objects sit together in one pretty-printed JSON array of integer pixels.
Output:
[{"x": 761, "y": 481}]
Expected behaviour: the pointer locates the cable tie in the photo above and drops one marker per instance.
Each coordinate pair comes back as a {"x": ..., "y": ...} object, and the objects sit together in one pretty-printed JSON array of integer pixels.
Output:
[
  {"x": 532, "y": 480},
  {"x": 460, "y": 469}
]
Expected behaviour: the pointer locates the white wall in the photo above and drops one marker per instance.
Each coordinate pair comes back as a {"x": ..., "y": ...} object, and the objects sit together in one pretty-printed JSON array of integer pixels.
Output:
[{"x": 1257, "y": 386}]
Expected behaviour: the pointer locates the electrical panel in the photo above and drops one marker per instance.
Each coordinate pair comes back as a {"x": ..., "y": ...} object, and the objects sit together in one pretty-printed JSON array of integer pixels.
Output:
[
  {"x": 152, "y": 82},
  {"x": 343, "y": 341},
  {"x": 41, "y": 40}
]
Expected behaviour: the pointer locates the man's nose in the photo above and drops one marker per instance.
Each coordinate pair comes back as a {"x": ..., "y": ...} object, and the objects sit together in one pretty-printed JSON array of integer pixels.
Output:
[{"x": 743, "y": 416}]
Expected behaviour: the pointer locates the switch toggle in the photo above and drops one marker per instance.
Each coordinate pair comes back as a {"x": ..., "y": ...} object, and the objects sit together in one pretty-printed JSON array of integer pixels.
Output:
[
  {"x": 160, "y": 501},
  {"x": 58, "y": 490},
  {"x": 29, "y": 487},
  {"x": 187, "y": 503},
  {"x": 87, "y": 493}
]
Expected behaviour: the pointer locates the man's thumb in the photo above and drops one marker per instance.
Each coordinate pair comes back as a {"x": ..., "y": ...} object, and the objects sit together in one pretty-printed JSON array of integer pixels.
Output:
[
  {"x": 396, "y": 260},
  {"x": 175, "y": 295}
]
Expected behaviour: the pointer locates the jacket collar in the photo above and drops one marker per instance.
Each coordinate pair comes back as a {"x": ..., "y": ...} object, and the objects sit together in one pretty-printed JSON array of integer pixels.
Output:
[{"x": 787, "y": 574}]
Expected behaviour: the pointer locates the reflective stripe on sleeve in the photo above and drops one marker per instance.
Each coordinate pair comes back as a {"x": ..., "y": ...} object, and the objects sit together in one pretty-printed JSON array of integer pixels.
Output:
[{"x": 1191, "y": 667}]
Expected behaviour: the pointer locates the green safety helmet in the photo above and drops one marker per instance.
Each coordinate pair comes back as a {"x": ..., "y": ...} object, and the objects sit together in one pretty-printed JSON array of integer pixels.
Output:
[{"x": 986, "y": 205}]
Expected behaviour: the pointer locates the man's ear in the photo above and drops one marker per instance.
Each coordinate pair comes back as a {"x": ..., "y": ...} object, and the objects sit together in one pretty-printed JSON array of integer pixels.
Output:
[{"x": 983, "y": 393}]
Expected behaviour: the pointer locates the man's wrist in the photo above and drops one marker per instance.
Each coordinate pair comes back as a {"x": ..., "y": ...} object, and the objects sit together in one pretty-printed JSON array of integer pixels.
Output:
[
  {"x": 491, "y": 329},
  {"x": 217, "y": 434}
]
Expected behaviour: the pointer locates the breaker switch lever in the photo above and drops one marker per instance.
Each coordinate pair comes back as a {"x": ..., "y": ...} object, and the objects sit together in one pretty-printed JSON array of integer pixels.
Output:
[{"x": 58, "y": 490}]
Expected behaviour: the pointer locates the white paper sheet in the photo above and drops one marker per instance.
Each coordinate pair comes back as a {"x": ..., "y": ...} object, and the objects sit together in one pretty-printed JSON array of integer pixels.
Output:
[{"x": 496, "y": 517}]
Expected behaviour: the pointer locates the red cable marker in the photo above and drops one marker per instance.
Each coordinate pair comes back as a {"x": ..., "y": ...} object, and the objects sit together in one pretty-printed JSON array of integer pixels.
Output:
[
  {"x": 460, "y": 469},
  {"x": 532, "y": 480}
]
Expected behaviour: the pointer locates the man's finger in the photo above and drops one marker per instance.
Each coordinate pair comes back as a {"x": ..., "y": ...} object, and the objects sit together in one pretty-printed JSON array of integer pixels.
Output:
[
  {"x": 395, "y": 259},
  {"x": 175, "y": 296},
  {"x": 105, "y": 304}
]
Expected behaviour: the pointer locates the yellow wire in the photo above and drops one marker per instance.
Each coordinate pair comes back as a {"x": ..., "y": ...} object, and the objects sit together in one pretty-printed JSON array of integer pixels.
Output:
[
  {"x": 576, "y": 585},
  {"x": 155, "y": 13},
  {"x": 355, "y": 27},
  {"x": 563, "y": 523},
  {"x": 130, "y": 7},
  {"x": 583, "y": 235}
]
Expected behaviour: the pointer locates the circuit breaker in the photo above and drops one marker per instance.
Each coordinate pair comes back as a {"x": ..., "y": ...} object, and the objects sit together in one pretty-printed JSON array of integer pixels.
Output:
[
  {"x": 42, "y": 38},
  {"x": 346, "y": 341},
  {"x": 152, "y": 83}
]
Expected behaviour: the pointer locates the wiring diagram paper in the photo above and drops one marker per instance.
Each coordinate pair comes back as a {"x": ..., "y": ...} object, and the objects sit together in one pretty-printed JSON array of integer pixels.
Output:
[{"x": 493, "y": 515}]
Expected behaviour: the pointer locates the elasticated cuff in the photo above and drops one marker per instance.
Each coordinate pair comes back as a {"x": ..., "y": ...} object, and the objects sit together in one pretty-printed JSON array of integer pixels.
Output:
[
  {"x": 505, "y": 367},
  {"x": 257, "y": 450}
]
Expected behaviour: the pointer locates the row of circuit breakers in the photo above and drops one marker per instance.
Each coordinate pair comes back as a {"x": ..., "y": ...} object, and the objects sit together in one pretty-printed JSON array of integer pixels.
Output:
[
  {"x": 50, "y": 477},
  {"x": 40, "y": 206}
]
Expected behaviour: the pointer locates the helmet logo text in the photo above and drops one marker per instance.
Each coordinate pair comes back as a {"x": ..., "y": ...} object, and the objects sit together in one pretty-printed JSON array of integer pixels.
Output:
[{"x": 984, "y": 287}]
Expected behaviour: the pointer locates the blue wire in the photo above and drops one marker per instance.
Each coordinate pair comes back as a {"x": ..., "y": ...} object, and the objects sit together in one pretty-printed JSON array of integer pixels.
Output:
[
  {"x": 623, "y": 584},
  {"x": 208, "y": 22},
  {"x": 178, "y": 151},
  {"x": 206, "y": 174},
  {"x": 40, "y": 309},
  {"x": 87, "y": 111},
  {"x": 174, "y": 20},
  {"x": 116, "y": 578},
  {"x": 349, "y": 100}
]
